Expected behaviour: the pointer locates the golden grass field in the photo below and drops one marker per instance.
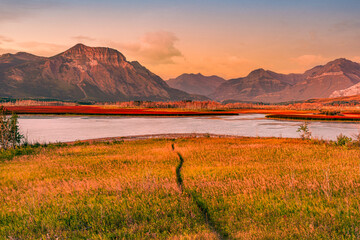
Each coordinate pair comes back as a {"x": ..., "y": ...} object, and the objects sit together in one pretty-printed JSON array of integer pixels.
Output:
[{"x": 247, "y": 188}]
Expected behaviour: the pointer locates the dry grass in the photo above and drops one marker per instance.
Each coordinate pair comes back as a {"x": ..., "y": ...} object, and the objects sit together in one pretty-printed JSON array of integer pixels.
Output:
[
  {"x": 276, "y": 188},
  {"x": 253, "y": 188},
  {"x": 98, "y": 192}
]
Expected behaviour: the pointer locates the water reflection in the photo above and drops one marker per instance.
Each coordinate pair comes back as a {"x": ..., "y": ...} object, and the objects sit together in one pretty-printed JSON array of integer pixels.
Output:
[{"x": 70, "y": 128}]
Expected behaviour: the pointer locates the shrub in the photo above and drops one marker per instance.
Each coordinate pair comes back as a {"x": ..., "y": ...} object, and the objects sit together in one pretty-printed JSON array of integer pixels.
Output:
[
  {"x": 330, "y": 113},
  {"x": 356, "y": 138},
  {"x": 304, "y": 131},
  {"x": 9, "y": 130},
  {"x": 342, "y": 140}
]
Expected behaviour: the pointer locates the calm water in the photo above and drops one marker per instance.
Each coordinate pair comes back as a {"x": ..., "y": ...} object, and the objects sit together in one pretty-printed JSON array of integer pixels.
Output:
[{"x": 64, "y": 128}]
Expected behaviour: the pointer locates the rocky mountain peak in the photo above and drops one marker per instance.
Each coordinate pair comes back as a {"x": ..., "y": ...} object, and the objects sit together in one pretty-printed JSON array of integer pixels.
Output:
[
  {"x": 258, "y": 73},
  {"x": 196, "y": 83},
  {"x": 341, "y": 63},
  {"x": 81, "y": 51},
  {"x": 339, "y": 66},
  {"x": 19, "y": 55},
  {"x": 83, "y": 73}
]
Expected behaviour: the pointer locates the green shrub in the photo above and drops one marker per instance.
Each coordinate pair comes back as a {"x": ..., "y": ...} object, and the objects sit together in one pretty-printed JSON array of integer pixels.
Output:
[
  {"x": 10, "y": 136},
  {"x": 342, "y": 140},
  {"x": 304, "y": 131},
  {"x": 9, "y": 154}
]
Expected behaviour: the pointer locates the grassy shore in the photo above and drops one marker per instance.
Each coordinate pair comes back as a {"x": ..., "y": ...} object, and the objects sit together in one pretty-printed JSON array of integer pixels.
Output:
[{"x": 203, "y": 188}]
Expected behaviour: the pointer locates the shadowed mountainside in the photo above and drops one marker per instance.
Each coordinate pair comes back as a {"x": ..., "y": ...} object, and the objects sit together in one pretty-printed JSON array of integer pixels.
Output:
[
  {"x": 83, "y": 73},
  {"x": 266, "y": 86},
  {"x": 196, "y": 83}
]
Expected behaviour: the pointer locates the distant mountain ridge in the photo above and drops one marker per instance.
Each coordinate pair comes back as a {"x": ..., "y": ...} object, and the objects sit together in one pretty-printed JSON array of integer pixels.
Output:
[
  {"x": 196, "y": 83},
  {"x": 267, "y": 86},
  {"x": 83, "y": 73}
]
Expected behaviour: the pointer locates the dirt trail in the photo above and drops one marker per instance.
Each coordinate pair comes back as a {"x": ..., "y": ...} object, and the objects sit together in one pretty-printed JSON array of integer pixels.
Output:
[{"x": 197, "y": 199}]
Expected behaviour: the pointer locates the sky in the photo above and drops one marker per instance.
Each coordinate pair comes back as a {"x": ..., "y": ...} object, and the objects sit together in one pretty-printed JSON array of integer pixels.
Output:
[{"x": 228, "y": 38}]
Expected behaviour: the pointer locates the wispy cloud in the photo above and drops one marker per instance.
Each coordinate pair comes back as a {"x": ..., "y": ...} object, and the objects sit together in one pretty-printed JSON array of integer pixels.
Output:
[
  {"x": 356, "y": 59},
  {"x": 154, "y": 48},
  {"x": 41, "y": 48},
  {"x": 227, "y": 66},
  {"x": 5, "y": 39},
  {"x": 7, "y": 50},
  {"x": 82, "y": 38},
  {"x": 310, "y": 60}
]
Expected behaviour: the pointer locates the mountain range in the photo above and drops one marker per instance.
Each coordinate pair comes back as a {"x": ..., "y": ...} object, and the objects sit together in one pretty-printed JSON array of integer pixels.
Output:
[
  {"x": 323, "y": 81},
  {"x": 196, "y": 83},
  {"x": 83, "y": 73}
]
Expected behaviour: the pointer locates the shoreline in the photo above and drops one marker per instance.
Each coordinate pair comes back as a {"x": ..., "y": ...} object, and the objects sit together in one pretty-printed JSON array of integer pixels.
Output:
[
  {"x": 162, "y": 136},
  {"x": 317, "y": 118}
]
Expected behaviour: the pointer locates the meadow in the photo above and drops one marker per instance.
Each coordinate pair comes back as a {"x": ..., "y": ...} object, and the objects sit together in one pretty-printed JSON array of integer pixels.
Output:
[{"x": 187, "y": 188}]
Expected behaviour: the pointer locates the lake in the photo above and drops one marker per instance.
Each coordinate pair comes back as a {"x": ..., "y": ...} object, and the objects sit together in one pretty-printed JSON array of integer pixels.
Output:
[{"x": 45, "y": 129}]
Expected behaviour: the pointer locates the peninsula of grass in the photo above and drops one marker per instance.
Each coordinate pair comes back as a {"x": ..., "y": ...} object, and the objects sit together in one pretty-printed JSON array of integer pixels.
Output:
[
  {"x": 352, "y": 117},
  {"x": 187, "y": 188}
]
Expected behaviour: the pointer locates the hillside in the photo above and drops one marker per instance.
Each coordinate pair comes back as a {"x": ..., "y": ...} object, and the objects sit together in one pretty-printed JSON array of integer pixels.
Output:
[
  {"x": 83, "y": 73},
  {"x": 266, "y": 86},
  {"x": 196, "y": 83}
]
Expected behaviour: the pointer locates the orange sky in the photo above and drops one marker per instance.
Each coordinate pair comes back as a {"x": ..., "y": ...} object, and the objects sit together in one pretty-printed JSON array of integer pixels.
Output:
[{"x": 227, "y": 38}]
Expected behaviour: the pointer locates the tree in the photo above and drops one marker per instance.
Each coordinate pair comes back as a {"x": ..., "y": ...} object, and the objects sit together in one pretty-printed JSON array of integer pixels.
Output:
[
  {"x": 9, "y": 130},
  {"x": 4, "y": 129},
  {"x": 16, "y": 137},
  {"x": 304, "y": 131}
]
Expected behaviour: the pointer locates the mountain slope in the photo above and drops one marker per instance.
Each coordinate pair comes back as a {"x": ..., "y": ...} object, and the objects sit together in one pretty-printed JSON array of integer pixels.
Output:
[
  {"x": 319, "y": 82},
  {"x": 9, "y": 60},
  {"x": 351, "y": 91},
  {"x": 196, "y": 83},
  {"x": 258, "y": 82},
  {"x": 86, "y": 73}
]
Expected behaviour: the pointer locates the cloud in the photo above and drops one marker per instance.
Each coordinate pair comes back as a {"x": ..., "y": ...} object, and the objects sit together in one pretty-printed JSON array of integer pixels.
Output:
[
  {"x": 227, "y": 66},
  {"x": 7, "y": 50},
  {"x": 40, "y": 48},
  {"x": 5, "y": 39},
  {"x": 310, "y": 60},
  {"x": 355, "y": 59},
  {"x": 224, "y": 65},
  {"x": 81, "y": 38},
  {"x": 154, "y": 48}
]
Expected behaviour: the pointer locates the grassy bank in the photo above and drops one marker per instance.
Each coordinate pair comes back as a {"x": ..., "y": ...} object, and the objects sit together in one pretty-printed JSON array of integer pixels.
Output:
[
  {"x": 232, "y": 188},
  {"x": 350, "y": 117}
]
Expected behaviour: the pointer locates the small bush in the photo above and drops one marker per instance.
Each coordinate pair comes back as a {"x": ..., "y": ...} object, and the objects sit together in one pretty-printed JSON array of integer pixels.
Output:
[
  {"x": 10, "y": 136},
  {"x": 9, "y": 154},
  {"x": 330, "y": 113},
  {"x": 342, "y": 140},
  {"x": 356, "y": 139},
  {"x": 304, "y": 131},
  {"x": 118, "y": 141},
  {"x": 81, "y": 143}
]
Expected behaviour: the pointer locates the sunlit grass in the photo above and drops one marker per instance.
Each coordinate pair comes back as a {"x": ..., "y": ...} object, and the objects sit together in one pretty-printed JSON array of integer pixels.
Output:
[
  {"x": 96, "y": 191},
  {"x": 274, "y": 188},
  {"x": 252, "y": 188}
]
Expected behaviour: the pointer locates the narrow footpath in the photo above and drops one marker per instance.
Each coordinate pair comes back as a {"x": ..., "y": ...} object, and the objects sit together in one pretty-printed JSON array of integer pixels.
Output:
[{"x": 197, "y": 200}]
